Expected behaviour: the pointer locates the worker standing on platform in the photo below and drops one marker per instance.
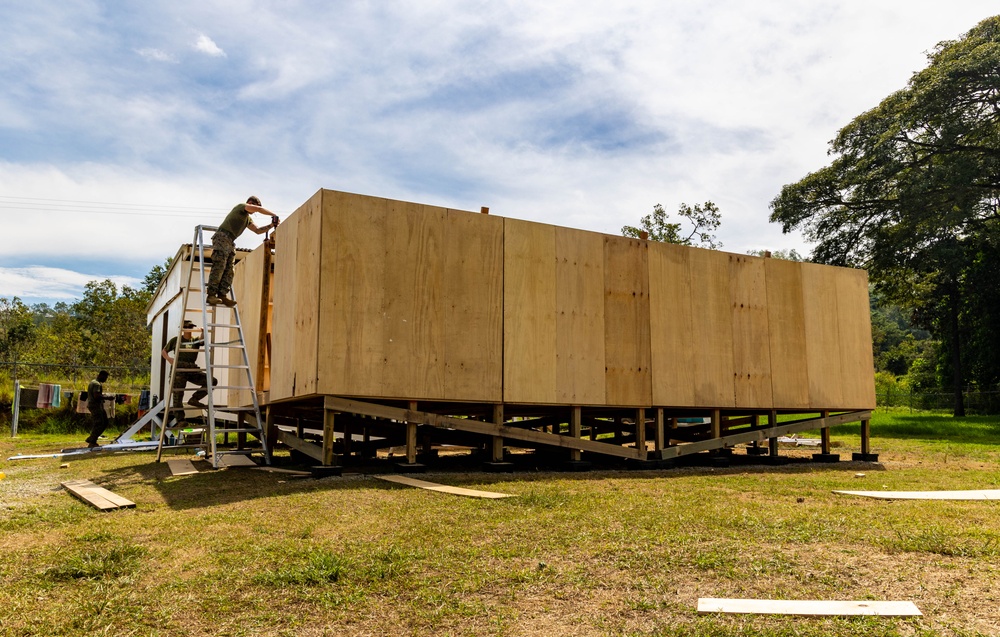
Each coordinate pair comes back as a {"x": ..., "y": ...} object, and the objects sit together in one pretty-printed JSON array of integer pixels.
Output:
[{"x": 220, "y": 280}]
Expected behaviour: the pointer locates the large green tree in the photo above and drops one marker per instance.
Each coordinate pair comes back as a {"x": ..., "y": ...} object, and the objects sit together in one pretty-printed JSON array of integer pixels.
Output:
[
  {"x": 703, "y": 218},
  {"x": 912, "y": 193}
]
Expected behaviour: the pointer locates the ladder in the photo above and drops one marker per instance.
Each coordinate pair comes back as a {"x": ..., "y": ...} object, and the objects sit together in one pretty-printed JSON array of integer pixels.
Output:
[{"x": 222, "y": 340}]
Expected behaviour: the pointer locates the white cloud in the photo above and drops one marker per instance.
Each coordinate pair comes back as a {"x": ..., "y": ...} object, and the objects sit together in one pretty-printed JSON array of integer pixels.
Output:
[
  {"x": 207, "y": 46},
  {"x": 39, "y": 282},
  {"x": 156, "y": 55}
]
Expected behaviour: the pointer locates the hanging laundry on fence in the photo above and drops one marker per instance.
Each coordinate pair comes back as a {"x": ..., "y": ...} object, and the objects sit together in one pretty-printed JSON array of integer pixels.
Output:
[{"x": 56, "y": 396}]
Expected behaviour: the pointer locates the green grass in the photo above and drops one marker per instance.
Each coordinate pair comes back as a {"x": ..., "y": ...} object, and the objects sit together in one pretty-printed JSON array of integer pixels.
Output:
[{"x": 242, "y": 552}]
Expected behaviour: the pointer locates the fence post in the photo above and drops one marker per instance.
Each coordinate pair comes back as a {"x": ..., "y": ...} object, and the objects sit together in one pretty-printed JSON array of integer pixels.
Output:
[{"x": 15, "y": 408}]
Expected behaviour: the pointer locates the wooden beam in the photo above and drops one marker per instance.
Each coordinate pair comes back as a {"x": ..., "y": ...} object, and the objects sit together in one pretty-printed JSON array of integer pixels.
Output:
[
  {"x": 640, "y": 432},
  {"x": 866, "y": 433},
  {"x": 660, "y": 436},
  {"x": 411, "y": 438},
  {"x": 262, "y": 333},
  {"x": 328, "y": 437},
  {"x": 496, "y": 447},
  {"x": 575, "y": 430},
  {"x": 807, "y": 607},
  {"x": 825, "y": 435},
  {"x": 716, "y": 423},
  {"x": 763, "y": 434},
  {"x": 772, "y": 442},
  {"x": 476, "y": 426},
  {"x": 443, "y": 488},
  {"x": 312, "y": 450}
]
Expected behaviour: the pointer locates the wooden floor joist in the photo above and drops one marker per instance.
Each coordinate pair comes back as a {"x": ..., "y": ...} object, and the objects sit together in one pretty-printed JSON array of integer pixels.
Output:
[
  {"x": 443, "y": 488},
  {"x": 96, "y": 496},
  {"x": 807, "y": 607}
]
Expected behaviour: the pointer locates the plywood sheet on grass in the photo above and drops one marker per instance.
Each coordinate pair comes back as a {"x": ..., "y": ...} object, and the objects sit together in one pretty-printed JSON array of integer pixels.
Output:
[
  {"x": 814, "y": 608},
  {"x": 751, "y": 348},
  {"x": 529, "y": 325},
  {"x": 296, "y": 314},
  {"x": 579, "y": 313},
  {"x": 671, "y": 324},
  {"x": 987, "y": 494},
  {"x": 712, "y": 329},
  {"x": 626, "y": 321},
  {"x": 443, "y": 488},
  {"x": 787, "y": 334}
]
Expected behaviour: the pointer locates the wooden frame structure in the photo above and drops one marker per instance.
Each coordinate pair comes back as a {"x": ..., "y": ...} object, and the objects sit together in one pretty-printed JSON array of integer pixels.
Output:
[{"x": 401, "y": 324}]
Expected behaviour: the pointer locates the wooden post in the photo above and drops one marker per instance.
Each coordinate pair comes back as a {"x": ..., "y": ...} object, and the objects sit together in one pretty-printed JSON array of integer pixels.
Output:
[
  {"x": 575, "y": 430},
  {"x": 825, "y": 435},
  {"x": 328, "y": 417},
  {"x": 866, "y": 433},
  {"x": 270, "y": 431},
  {"x": 496, "y": 448},
  {"x": 263, "y": 351},
  {"x": 772, "y": 443},
  {"x": 660, "y": 441},
  {"x": 640, "y": 432},
  {"x": 716, "y": 423},
  {"x": 411, "y": 438},
  {"x": 348, "y": 437}
]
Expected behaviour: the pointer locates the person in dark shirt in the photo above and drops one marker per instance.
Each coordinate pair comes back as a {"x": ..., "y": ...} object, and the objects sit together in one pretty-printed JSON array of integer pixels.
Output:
[
  {"x": 95, "y": 405},
  {"x": 187, "y": 366},
  {"x": 220, "y": 279}
]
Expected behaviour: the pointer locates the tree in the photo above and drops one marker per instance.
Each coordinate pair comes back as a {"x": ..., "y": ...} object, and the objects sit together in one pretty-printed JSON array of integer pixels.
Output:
[
  {"x": 914, "y": 190},
  {"x": 704, "y": 219},
  {"x": 17, "y": 329},
  {"x": 112, "y": 326},
  {"x": 785, "y": 255},
  {"x": 156, "y": 274}
]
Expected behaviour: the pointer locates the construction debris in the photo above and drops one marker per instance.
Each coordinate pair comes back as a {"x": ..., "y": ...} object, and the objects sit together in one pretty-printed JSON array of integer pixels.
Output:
[
  {"x": 96, "y": 496},
  {"x": 807, "y": 607}
]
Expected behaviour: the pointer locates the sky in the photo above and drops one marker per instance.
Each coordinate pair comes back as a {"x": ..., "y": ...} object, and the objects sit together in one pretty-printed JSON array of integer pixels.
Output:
[{"x": 125, "y": 124}]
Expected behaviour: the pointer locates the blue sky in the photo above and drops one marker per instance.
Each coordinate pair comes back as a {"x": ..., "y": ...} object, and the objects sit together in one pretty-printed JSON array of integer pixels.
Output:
[{"x": 125, "y": 124}]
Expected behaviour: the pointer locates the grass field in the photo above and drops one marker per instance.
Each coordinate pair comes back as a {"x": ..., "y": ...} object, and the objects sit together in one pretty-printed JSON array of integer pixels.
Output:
[{"x": 243, "y": 552}]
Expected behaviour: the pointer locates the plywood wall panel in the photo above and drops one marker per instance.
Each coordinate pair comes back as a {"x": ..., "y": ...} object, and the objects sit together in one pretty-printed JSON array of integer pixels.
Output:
[
  {"x": 296, "y": 315},
  {"x": 626, "y": 322},
  {"x": 529, "y": 284},
  {"x": 787, "y": 334},
  {"x": 670, "y": 325},
  {"x": 712, "y": 329},
  {"x": 352, "y": 323},
  {"x": 579, "y": 309},
  {"x": 854, "y": 319},
  {"x": 819, "y": 293},
  {"x": 248, "y": 282},
  {"x": 751, "y": 349},
  {"x": 473, "y": 307}
]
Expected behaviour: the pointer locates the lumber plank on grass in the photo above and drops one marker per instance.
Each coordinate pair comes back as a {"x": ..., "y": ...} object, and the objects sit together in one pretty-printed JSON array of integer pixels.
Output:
[
  {"x": 291, "y": 472},
  {"x": 236, "y": 460},
  {"x": 807, "y": 607},
  {"x": 982, "y": 494},
  {"x": 181, "y": 467},
  {"x": 433, "y": 486},
  {"x": 96, "y": 496}
]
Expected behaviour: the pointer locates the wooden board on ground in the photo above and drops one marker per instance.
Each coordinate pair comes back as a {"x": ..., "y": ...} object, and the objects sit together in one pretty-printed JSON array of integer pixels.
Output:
[
  {"x": 431, "y": 486},
  {"x": 96, "y": 496},
  {"x": 181, "y": 467},
  {"x": 290, "y": 472},
  {"x": 236, "y": 460},
  {"x": 807, "y": 607},
  {"x": 987, "y": 494}
]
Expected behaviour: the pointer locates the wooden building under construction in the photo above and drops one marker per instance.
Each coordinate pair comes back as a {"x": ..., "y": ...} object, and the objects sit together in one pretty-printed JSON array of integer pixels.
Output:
[{"x": 379, "y": 323}]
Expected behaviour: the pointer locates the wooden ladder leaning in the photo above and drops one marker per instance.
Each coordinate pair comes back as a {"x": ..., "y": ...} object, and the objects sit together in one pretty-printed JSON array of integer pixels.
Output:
[{"x": 223, "y": 348}]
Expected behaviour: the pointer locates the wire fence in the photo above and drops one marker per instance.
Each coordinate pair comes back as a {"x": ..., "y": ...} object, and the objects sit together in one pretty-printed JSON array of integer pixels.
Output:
[
  {"x": 976, "y": 402},
  {"x": 121, "y": 380}
]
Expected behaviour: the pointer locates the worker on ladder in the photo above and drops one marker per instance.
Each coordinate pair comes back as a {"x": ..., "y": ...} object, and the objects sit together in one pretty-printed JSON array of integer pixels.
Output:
[
  {"x": 220, "y": 280},
  {"x": 186, "y": 364}
]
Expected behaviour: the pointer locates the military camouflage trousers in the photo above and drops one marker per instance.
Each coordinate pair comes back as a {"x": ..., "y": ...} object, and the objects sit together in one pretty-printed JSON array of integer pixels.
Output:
[{"x": 220, "y": 279}]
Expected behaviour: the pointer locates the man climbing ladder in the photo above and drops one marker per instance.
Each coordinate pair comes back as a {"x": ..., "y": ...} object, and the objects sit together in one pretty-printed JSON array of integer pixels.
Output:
[{"x": 224, "y": 248}]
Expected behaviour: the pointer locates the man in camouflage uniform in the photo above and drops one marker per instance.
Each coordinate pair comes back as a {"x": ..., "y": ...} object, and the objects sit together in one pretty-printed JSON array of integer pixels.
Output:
[
  {"x": 220, "y": 279},
  {"x": 95, "y": 405},
  {"x": 187, "y": 366}
]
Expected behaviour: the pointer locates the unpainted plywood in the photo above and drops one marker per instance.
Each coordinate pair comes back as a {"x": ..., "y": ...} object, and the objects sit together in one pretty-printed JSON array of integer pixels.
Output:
[
  {"x": 472, "y": 307},
  {"x": 670, "y": 325},
  {"x": 626, "y": 321},
  {"x": 352, "y": 323},
  {"x": 857, "y": 367},
  {"x": 529, "y": 325},
  {"x": 443, "y": 488},
  {"x": 787, "y": 334},
  {"x": 413, "y": 335},
  {"x": 751, "y": 350},
  {"x": 96, "y": 496},
  {"x": 712, "y": 329},
  {"x": 248, "y": 282},
  {"x": 579, "y": 310},
  {"x": 807, "y": 607},
  {"x": 819, "y": 295},
  {"x": 285, "y": 366}
]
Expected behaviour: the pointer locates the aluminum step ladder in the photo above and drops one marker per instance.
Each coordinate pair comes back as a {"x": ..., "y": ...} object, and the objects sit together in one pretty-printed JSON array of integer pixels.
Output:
[{"x": 222, "y": 341}]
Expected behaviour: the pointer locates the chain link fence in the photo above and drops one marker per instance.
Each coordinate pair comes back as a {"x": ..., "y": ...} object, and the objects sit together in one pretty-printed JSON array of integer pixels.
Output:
[{"x": 976, "y": 402}]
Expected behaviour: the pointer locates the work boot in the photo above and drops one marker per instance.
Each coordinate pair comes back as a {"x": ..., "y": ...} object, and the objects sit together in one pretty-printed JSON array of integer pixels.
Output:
[
  {"x": 214, "y": 300},
  {"x": 228, "y": 302},
  {"x": 197, "y": 404}
]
